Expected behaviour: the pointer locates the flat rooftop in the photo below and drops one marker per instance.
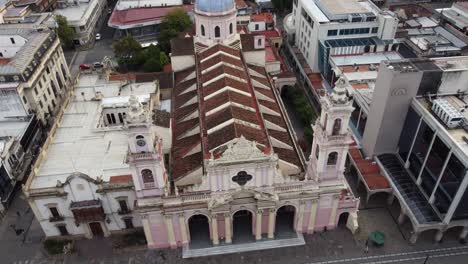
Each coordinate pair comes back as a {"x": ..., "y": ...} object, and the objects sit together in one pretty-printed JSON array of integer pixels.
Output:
[
  {"x": 79, "y": 145},
  {"x": 458, "y": 135},
  {"x": 76, "y": 13},
  {"x": 341, "y": 7}
]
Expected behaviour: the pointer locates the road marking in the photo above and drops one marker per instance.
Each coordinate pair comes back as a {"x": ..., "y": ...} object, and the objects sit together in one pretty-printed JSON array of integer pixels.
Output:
[{"x": 398, "y": 254}]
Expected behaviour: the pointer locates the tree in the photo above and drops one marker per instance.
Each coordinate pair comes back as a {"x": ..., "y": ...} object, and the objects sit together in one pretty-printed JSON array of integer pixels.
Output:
[
  {"x": 65, "y": 32},
  {"x": 152, "y": 65},
  {"x": 175, "y": 22},
  {"x": 126, "y": 47}
]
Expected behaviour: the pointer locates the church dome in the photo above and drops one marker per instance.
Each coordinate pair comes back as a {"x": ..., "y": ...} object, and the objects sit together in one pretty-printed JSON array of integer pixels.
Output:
[{"x": 214, "y": 6}]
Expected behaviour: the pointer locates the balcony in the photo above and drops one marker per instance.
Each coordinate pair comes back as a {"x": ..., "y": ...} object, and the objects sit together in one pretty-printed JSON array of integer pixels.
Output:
[
  {"x": 142, "y": 156},
  {"x": 57, "y": 218}
]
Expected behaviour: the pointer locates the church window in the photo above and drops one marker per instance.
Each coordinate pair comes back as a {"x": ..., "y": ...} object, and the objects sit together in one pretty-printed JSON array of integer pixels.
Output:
[
  {"x": 317, "y": 151},
  {"x": 202, "y": 29},
  {"x": 109, "y": 119},
  {"x": 332, "y": 158},
  {"x": 230, "y": 28},
  {"x": 259, "y": 42},
  {"x": 336, "y": 127},
  {"x": 147, "y": 176},
  {"x": 113, "y": 118},
  {"x": 121, "y": 118},
  {"x": 217, "y": 32}
]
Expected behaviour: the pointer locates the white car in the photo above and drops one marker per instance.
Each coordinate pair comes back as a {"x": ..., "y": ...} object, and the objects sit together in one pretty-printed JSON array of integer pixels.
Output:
[{"x": 98, "y": 36}]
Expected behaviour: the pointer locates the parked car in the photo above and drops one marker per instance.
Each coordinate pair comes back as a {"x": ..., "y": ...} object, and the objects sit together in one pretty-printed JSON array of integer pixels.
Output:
[
  {"x": 97, "y": 65},
  {"x": 85, "y": 66},
  {"x": 98, "y": 36}
]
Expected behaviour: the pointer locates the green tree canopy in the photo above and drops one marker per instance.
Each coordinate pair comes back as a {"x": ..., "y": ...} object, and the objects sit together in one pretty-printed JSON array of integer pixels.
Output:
[
  {"x": 175, "y": 22},
  {"x": 65, "y": 32},
  {"x": 126, "y": 48}
]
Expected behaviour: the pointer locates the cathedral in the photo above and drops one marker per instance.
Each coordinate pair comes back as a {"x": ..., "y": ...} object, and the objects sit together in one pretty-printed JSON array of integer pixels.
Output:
[
  {"x": 213, "y": 164},
  {"x": 235, "y": 173}
]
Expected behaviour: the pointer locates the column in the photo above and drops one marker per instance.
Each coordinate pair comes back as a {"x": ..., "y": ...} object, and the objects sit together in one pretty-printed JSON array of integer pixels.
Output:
[
  {"x": 271, "y": 223},
  {"x": 439, "y": 235},
  {"x": 214, "y": 227},
  {"x": 414, "y": 237},
  {"x": 258, "y": 224},
  {"x": 391, "y": 197},
  {"x": 227, "y": 226},
  {"x": 170, "y": 230},
  {"x": 401, "y": 217},
  {"x": 463, "y": 233},
  {"x": 312, "y": 217},
  {"x": 332, "y": 221},
  {"x": 300, "y": 219},
  {"x": 146, "y": 228},
  {"x": 183, "y": 228}
]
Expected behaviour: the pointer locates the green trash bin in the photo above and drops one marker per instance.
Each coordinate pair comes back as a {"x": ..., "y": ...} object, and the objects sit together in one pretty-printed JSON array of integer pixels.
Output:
[{"x": 378, "y": 238}]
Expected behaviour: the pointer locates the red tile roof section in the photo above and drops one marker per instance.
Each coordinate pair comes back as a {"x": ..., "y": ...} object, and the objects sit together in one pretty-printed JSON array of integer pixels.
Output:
[
  {"x": 136, "y": 16},
  {"x": 369, "y": 171},
  {"x": 120, "y": 178}
]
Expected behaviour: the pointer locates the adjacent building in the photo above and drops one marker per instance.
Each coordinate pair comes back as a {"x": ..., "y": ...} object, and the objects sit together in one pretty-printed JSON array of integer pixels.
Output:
[
  {"x": 84, "y": 16},
  {"x": 319, "y": 29},
  {"x": 82, "y": 185},
  {"x": 33, "y": 65},
  {"x": 415, "y": 130}
]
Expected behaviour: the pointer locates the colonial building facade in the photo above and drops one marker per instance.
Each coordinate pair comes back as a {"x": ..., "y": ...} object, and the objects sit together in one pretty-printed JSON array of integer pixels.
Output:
[{"x": 237, "y": 174}]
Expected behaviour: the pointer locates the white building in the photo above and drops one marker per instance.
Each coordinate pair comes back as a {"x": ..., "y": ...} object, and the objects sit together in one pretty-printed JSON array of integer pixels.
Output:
[
  {"x": 321, "y": 28},
  {"x": 81, "y": 184},
  {"x": 83, "y": 16},
  {"x": 33, "y": 64}
]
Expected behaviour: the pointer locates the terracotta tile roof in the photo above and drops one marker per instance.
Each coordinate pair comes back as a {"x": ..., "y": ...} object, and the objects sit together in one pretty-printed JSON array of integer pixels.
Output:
[
  {"x": 184, "y": 126},
  {"x": 221, "y": 83},
  {"x": 265, "y": 92},
  {"x": 241, "y": 4},
  {"x": 183, "y": 166},
  {"x": 266, "y": 17},
  {"x": 273, "y": 119},
  {"x": 227, "y": 96},
  {"x": 220, "y": 58},
  {"x": 182, "y": 46},
  {"x": 222, "y": 70},
  {"x": 369, "y": 171},
  {"x": 261, "y": 80},
  {"x": 248, "y": 42},
  {"x": 185, "y": 111},
  {"x": 120, "y": 178},
  {"x": 165, "y": 78},
  {"x": 229, "y": 113},
  {"x": 184, "y": 98},
  {"x": 288, "y": 156},
  {"x": 179, "y": 76},
  {"x": 214, "y": 49},
  {"x": 140, "y": 15},
  {"x": 233, "y": 131},
  {"x": 185, "y": 143}
]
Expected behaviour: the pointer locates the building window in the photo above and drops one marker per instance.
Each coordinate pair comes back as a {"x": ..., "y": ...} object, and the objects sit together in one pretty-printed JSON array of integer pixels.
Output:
[
  {"x": 41, "y": 104},
  {"x": 231, "y": 29},
  {"x": 62, "y": 230},
  {"x": 332, "y": 158},
  {"x": 202, "y": 29},
  {"x": 217, "y": 32},
  {"x": 54, "y": 212},
  {"x": 336, "y": 127},
  {"x": 123, "y": 205},
  {"x": 332, "y": 32},
  {"x": 147, "y": 176},
  {"x": 317, "y": 152},
  {"x": 48, "y": 70},
  {"x": 257, "y": 27},
  {"x": 12, "y": 40},
  {"x": 113, "y": 118},
  {"x": 128, "y": 223},
  {"x": 25, "y": 100},
  {"x": 35, "y": 90},
  {"x": 45, "y": 97},
  {"x": 1, "y": 54},
  {"x": 259, "y": 42},
  {"x": 53, "y": 103},
  {"x": 109, "y": 119},
  {"x": 121, "y": 118},
  {"x": 375, "y": 30}
]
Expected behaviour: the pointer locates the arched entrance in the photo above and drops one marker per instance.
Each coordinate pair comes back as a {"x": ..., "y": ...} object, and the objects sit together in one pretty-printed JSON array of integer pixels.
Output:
[
  {"x": 242, "y": 226},
  {"x": 199, "y": 229},
  {"x": 284, "y": 225},
  {"x": 343, "y": 219}
]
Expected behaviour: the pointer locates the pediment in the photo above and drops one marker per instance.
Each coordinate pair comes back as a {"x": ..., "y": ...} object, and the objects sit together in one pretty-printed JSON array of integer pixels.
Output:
[{"x": 227, "y": 198}]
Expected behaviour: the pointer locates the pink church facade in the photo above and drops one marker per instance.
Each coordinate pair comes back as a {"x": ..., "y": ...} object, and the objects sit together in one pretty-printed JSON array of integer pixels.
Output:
[{"x": 235, "y": 172}]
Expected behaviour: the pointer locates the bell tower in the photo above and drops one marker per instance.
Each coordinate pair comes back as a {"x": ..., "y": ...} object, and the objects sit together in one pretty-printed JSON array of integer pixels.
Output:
[
  {"x": 145, "y": 155},
  {"x": 331, "y": 136}
]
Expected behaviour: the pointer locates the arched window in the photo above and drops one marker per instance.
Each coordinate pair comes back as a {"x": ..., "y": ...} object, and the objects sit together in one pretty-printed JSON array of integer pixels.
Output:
[
  {"x": 336, "y": 127},
  {"x": 202, "y": 29},
  {"x": 147, "y": 176},
  {"x": 317, "y": 151},
  {"x": 217, "y": 32},
  {"x": 332, "y": 158},
  {"x": 230, "y": 28}
]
